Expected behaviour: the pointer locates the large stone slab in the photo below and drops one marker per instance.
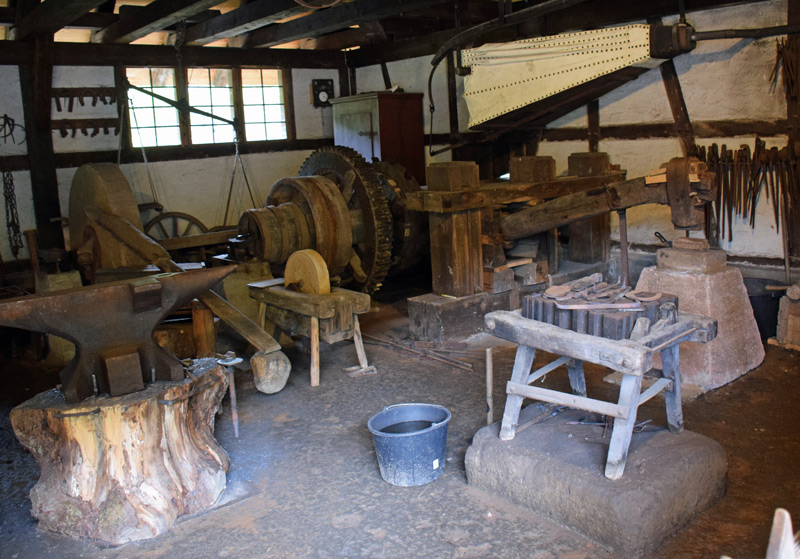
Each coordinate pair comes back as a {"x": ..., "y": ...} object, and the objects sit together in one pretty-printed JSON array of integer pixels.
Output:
[
  {"x": 723, "y": 297},
  {"x": 556, "y": 470}
]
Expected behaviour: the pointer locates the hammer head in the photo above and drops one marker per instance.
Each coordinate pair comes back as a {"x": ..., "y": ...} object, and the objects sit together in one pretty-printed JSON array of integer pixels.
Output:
[{"x": 690, "y": 185}]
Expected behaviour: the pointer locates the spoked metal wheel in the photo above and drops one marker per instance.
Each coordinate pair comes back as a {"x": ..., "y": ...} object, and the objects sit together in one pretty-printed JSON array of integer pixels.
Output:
[{"x": 170, "y": 225}]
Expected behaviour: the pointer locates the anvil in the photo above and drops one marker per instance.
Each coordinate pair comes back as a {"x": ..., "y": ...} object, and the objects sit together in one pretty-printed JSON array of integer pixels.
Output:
[{"x": 112, "y": 327}]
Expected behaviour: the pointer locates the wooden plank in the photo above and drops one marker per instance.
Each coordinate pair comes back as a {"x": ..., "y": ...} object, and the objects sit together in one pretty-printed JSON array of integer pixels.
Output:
[
  {"x": 194, "y": 241},
  {"x": 308, "y": 304},
  {"x": 564, "y": 399},
  {"x": 155, "y": 16},
  {"x": 322, "y": 22},
  {"x": 51, "y": 15},
  {"x": 621, "y": 355},
  {"x": 240, "y": 323},
  {"x": 542, "y": 371},
  {"x": 501, "y": 193},
  {"x": 246, "y": 18},
  {"x": 655, "y": 388}
]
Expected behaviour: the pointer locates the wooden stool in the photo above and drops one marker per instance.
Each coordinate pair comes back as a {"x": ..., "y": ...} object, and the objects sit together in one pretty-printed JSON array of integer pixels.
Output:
[
  {"x": 331, "y": 318},
  {"x": 631, "y": 358}
]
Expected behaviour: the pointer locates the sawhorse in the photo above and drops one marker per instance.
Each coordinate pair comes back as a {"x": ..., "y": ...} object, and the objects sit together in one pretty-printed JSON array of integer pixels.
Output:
[{"x": 632, "y": 358}]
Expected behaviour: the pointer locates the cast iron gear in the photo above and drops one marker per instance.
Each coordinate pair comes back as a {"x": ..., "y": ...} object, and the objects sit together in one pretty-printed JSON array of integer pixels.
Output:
[{"x": 362, "y": 191}]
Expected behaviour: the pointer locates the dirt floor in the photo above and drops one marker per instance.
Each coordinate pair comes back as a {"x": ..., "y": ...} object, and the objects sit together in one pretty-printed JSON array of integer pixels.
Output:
[{"x": 304, "y": 481}]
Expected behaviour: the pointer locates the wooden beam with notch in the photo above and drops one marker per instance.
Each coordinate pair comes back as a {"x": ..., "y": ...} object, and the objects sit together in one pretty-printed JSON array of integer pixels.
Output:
[
  {"x": 330, "y": 20},
  {"x": 52, "y": 15},
  {"x": 155, "y": 16},
  {"x": 242, "y": 20}
]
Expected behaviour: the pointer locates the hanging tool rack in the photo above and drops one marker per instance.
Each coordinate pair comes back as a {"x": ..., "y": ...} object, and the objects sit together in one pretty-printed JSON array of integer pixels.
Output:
[{"x": 88, "y": 126}]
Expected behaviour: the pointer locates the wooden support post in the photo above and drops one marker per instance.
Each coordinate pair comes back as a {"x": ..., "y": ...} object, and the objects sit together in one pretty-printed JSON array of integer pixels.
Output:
[
  {"x": 589, "y": 239},
  {"x": 203, "y": 332},
  {"x": 671, "y": 369},
  {"x": 36, "y": 84},
  {"x": 623, "y": 427},
  {"x": 314, "y": 351},
  {"x": 577, "y": 380},
  {"x": 593, "y": 125},
  {"x": 456, "y": 257},
  {"x": 519, "y": 375},
  {"x": 683, "y": 125}
]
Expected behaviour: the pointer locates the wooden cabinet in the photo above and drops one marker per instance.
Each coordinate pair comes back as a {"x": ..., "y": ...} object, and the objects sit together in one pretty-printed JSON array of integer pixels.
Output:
[{"x": 383, "y": 125}]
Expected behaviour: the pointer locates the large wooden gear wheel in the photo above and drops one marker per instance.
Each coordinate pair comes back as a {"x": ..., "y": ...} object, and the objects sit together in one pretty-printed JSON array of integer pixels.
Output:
[
  {"x": 371, "y": 255},
  {"x": 410, "y": 239}
]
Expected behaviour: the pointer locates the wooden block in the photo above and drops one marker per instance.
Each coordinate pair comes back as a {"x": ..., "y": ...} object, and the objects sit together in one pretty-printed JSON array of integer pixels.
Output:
[
  {"x": 590, "y": 239},
  {"x": 203, "y": 331},
  {"x": 532, "y": 168},
  {"x": 497, "y": 280},
  {"x": 531, "y": 274},
  {"x": 588, "y": 164},
  {"x": 788, "y": 322},
  {"x": 453, "y": 176},
  {"x": 434, "y": 318}
]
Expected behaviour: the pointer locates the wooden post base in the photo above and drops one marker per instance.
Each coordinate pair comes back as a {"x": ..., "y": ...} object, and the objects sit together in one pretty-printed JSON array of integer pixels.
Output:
[{"x": 124, "y": 469}]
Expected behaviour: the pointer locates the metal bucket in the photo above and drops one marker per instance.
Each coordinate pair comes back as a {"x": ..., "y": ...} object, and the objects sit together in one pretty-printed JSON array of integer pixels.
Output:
[{"x": 410, "y": 441}]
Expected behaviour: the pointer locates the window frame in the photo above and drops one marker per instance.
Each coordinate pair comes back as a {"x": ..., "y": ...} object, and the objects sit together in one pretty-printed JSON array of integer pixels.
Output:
[{"x": 182, "y": 95}]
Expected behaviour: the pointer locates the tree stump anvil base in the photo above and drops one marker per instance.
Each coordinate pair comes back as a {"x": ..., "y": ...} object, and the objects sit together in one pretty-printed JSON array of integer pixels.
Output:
[{"x": 124, "y": 469}]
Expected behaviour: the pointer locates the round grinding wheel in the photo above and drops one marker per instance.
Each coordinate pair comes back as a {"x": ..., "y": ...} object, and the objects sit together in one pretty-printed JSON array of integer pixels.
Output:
[
  {"x": 307, "y": 270},
  {"x": 102, "y": 185}
]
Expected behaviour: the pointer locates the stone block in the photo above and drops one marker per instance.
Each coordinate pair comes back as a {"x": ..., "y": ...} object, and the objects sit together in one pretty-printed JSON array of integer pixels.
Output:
[
  {"x": 435, "y": 318},
  {"x": 550, "y": 470},
  {"x": 708, "y": 261},
  {"x": 723, "y": 297}
]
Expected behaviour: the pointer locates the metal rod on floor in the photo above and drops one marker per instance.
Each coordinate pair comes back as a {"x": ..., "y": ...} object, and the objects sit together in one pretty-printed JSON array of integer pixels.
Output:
[
  {"x": 489, "y": 387},
  {"x": 623, "y": 245}
]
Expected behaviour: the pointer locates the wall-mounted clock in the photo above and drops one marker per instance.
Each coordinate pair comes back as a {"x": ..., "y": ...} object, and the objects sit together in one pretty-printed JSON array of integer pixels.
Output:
[{"x": 321, "y": 92}]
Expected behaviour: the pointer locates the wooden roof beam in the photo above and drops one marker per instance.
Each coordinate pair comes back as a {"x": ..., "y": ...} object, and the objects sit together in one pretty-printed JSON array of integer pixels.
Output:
[
  {"x": 330, "y": 20},
  {"x": 242, "y": 20},
  {"x": 155, "y": 16},
  {"x": 52, "y": 15}
]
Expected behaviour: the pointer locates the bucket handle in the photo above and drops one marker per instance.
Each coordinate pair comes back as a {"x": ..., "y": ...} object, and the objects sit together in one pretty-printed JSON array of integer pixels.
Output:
[{"x": 433, "y": 424}]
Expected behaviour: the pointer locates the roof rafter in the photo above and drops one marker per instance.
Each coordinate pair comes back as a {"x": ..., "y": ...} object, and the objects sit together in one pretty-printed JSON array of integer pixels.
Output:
[
  {"x": 51, "y": 15},
  {"x": 246, "y": 18},
  {"x": 332, "y": 19},
  {"x": 155, "y": 16}
]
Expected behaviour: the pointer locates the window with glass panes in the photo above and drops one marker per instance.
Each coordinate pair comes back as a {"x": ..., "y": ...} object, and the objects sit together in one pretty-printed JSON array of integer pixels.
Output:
[
  {"x": 262, "y": 97},
  {"x": 211, "y": 90},
  {"x": 153, "y": 122}
]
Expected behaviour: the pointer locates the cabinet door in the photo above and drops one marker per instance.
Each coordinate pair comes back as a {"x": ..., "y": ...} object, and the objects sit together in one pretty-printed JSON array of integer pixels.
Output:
[{"x": 359, "y": 131}]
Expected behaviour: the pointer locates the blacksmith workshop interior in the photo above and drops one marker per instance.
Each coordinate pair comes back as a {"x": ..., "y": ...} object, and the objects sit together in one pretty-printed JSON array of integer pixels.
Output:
[{"x": 400, "y": 279}]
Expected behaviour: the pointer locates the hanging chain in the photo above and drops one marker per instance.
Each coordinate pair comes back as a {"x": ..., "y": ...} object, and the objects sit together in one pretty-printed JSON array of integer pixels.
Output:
[{"x": 12, "y": 217}]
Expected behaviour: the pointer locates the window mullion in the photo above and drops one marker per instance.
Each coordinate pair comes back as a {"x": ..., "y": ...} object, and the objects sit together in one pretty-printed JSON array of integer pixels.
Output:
[
  {"x": 238, "y": 104},
  {"x": 182, "y": 90}
]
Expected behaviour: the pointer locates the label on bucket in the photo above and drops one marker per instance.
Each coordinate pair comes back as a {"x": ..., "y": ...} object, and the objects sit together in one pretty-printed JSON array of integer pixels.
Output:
[{"x": 436, "y": 464}]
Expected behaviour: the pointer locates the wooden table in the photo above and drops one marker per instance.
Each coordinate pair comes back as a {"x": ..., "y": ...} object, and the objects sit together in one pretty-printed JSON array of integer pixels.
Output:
[
  {"x": 632, "y": 358},
  {"x": 331, "y": 317}
]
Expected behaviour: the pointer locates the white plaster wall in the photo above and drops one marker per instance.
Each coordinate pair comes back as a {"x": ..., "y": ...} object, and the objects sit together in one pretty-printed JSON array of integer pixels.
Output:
[
  {"x": 311, "y": 122},
  {"x": 412, "y": 76}
]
